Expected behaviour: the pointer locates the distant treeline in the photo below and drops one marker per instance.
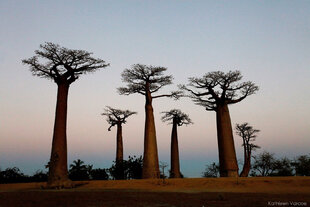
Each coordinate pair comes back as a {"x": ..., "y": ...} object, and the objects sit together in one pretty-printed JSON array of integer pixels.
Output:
[
  {"x": 265, "y": 164},
  {"x": 132, "y": 168}
]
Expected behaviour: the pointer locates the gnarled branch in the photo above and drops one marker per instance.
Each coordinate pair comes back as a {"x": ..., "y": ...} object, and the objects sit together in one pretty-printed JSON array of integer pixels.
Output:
[
  {"x": 62, "y": 64},
  {"x": 116, "y": 116}
]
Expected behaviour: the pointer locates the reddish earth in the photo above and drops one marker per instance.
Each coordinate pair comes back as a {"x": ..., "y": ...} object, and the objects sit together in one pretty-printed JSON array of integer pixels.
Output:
[{"x": 196, "y": 192}]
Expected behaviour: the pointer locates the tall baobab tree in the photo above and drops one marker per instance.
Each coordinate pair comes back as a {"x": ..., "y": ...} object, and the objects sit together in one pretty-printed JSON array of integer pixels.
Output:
[
  {"x": 176, "y": 118},
  {"x": 147, "y": 80},
  {"x": 117, "y": 117},
  {"x": 63, "y": 66},
  {"x": 248, "y": 135},
  {"x": 215, "y": 91}
]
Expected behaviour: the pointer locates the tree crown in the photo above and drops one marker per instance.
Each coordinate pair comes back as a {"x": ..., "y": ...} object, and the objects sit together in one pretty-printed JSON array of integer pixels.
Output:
[
  {"x": 177, "y": 116},
  {"x": 246, "y": 131},
  {"x": 116, "y": 116},
  {"x": 62, "y": 64},
  {"x": 145, "y": 79},
  {"x": 264, "y": 163},
  {"x": 78, "y": 165},
  {"x": 216, "y": 88},
  {"x": 248, "y": 134}
]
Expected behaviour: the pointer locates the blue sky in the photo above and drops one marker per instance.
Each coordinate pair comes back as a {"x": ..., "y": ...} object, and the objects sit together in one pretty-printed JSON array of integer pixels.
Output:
[{"x": 268, "y": 41}]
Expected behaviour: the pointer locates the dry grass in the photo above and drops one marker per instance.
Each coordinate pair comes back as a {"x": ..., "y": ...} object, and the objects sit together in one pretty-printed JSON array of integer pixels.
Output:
[
  {"x": 172, "y": 192},
  {"x": 254, "y": 185}
]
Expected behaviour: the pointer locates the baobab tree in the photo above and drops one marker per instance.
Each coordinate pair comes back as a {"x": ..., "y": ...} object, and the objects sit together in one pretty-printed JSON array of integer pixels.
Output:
[
  {"x": 117, "y": 117},
  {"x": 147, "y": 80},
  {"x": 63, "y": 66},
  {"x": 248, "y": 135},
  {"x": 215, "y": 91},
  {"x": 177, "y": 118}
]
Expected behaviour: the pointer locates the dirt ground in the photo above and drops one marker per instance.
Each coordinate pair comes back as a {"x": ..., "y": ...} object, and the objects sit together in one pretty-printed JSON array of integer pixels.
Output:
[{"x": 189, "y": 192}]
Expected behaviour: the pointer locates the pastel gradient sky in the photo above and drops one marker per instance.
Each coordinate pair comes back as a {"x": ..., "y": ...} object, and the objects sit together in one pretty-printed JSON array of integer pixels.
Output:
[{"x": 268, "y": 41}]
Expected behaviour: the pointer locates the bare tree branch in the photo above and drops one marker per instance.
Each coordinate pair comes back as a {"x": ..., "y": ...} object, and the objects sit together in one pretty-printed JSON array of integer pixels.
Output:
[
  {"x": 218, "y": 88},
  {"x": 142, "y": 79},
  {"x": 116, "y": 116},
  {"x": 248, "y": 134},
  {"x": 62, "y": 64},
  {"x": 174, "y": 94},
  {"x": 177, "y": 116}
]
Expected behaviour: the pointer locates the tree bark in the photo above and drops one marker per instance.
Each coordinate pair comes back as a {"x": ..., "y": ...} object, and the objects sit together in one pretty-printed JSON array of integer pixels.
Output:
[
  {"x": 246, "y": 168},
  {"x": 119, "y": 143},
  {"x": 120, "y": 175},
  {"x": 226, "y": 147},
  {"x": 175, "y": 162},
  {"x": 245, "y": 159},
  {"x": 150, "y": 155},
  {"x": 58, "y": 169}
]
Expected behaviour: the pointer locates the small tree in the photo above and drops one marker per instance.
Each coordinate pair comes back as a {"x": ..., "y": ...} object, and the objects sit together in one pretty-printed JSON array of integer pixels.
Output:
[
  {"x": 302, "y": 165},
  {"x": 63, "y": 66},
  {"x": 117, "y": 117},
  {"x": 118, "y": 170},
  {"x": 264, "y": 164},
  {"x": 134, "y": 165},
  {"x": 79, "y": 171},
  {"x": 176, "y": 118},
  {"x": 215, "y": 91},
  {"x": 147, "y": 80},
  {"x": 248, "y": 135},
  {"x": 13, "y": 175},
  {"x": 211, "y": 171},
  {"x": 131, "y": 168},
  {"x": 282, "y": 167},
  {"x": 163, "y": 165}
]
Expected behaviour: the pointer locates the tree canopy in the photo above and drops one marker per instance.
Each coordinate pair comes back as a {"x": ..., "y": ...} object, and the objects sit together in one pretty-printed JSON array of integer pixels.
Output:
[
  {"x": 248, "y": 134},
  {"x": 143, "y": 79},
  {"x": 116, "y": 116},
  {"x": 219, "y": 88},
  {"x": 302, "y": 165},
  {"x": 264, "y": 164},
  {"x": 177, "y": 115},
  {"x": 211, "y": 171},
  {"x": 62, "y": 64}
]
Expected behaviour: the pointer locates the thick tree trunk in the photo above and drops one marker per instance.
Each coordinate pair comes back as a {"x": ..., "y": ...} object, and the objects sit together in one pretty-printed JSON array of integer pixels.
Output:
[
  {"x": 226, "y": 147},
  {"x": 175, "y": 162},
  {"x": 150, "y": 156},
  {"x": 58, "y": 169},
  {"x": 119, "y": 143}
]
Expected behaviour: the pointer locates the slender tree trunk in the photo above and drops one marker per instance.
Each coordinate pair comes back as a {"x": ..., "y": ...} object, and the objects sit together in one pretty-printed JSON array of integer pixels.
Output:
[
  {"x": 119, "y": 143},
  {"x": 246, "y": 169},
  {"x": 226, "y": 147},
  {"x": 150, "y": 156},
  {"x": 58, "y": 169},
  {"x": 175, "y": 162},
  {"x": 245, "y": 159},
  {"x": 120, "y": 174},
  {"x": 247, "y": 166}
]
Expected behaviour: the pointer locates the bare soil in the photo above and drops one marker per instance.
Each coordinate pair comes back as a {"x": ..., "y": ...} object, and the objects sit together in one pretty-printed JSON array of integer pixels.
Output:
[{"x": 196, "y": 192}]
